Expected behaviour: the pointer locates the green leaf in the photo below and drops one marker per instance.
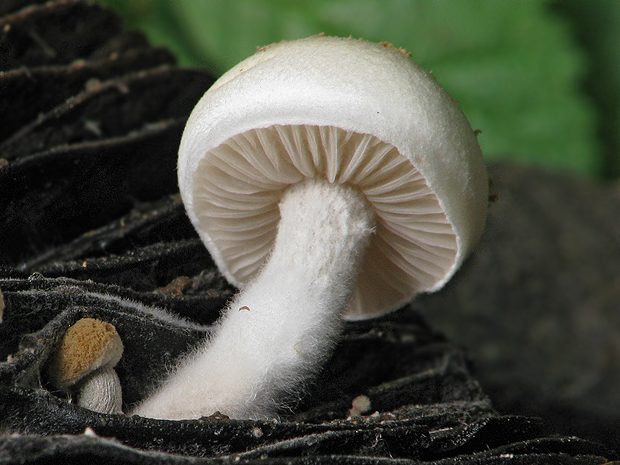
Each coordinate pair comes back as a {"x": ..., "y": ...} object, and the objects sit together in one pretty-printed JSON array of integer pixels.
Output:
[{"x": 513, "y": 66}]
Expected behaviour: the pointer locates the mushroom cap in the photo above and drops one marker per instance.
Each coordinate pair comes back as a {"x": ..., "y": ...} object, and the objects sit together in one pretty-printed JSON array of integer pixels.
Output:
[
  {"x": 86, "y": 346},
  {"x": 354, "y": 113}
]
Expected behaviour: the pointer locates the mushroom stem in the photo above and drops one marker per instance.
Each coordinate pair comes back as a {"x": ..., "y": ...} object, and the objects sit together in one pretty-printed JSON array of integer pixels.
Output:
[
  {"x": 281, "y": 327},
  {"x": 101, "y": 391}
]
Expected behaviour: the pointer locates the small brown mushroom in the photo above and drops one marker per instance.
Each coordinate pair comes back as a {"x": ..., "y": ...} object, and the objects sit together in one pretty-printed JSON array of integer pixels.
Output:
[{"x": 85, "y": 362}]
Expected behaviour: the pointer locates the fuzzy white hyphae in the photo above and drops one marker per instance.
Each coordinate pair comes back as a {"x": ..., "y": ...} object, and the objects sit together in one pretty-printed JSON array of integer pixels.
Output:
[{"x": 279, "y": 329}]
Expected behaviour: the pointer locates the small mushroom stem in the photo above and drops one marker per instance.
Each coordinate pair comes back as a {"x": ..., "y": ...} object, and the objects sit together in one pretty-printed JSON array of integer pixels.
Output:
[
  {"x": 101, "y": 391},
  {"x": 263, "y": 355}
]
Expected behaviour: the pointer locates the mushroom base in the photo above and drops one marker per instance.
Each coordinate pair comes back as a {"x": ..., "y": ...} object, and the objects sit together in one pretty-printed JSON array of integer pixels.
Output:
[
  {"x": 277, "y": 332},
  {"x": 101, "y": 391}
]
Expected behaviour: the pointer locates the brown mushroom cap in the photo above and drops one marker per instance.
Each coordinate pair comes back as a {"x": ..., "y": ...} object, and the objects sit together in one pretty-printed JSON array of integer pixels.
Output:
[{"x": 87, "y": 345}]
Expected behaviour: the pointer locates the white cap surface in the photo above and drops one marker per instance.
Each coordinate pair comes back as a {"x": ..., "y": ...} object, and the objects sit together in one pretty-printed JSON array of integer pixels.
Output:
[{"x": 350, "y": 112}]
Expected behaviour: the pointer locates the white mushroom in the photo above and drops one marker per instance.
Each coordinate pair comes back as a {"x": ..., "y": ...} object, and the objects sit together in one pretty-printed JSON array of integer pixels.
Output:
[
  {"x": 85, "y": 361},
  {"x": 327, "y": 177}
]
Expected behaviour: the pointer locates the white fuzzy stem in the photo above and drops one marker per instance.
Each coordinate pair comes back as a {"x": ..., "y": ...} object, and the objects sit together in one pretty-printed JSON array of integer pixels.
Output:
[
  {"x": 101, "y": 391},
  {"x": 279, "y": 329}
]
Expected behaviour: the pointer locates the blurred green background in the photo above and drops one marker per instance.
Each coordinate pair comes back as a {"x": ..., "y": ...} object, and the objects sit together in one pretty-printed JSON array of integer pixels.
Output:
[{"x": 541, "y": 79}]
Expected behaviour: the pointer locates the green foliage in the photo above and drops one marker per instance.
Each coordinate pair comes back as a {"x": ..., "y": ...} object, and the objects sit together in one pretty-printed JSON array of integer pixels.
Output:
[{"x": 514, "y": 66}]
